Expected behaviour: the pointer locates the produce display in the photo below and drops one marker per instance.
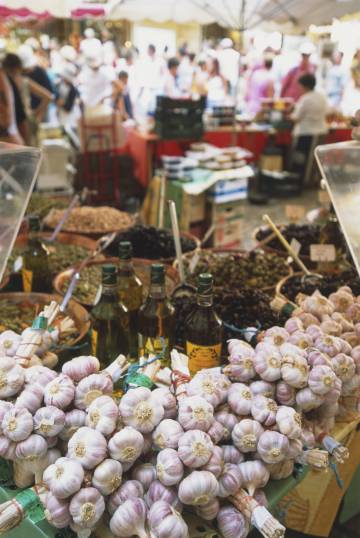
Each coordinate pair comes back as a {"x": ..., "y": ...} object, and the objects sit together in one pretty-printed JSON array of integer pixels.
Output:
[
  {"x": 90, "y": 220},
  {"x": 61, "y": 255},
  {"x": 306, "y": 234}
]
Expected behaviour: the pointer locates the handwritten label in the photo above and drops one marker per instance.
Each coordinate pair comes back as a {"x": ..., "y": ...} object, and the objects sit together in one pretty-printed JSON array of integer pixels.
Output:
[
  {"x": 322, "y": 253},
  {"x": 323, "y": 197},
  {"x": 295, "y": 245},
  {"x": 294, "y": 212}
]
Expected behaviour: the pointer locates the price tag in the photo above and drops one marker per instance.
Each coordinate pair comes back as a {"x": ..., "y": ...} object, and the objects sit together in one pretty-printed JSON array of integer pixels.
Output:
[
  {"x": 322, "y": 253},
  {"x": 294, "y": 212},
  {"x": 324, "y": 197},
  {"x": 18, "y": 263},
  {"x": 295, "y": 245}
]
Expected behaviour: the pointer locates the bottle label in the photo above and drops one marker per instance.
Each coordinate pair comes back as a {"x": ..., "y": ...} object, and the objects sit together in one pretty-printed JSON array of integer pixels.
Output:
[
  {"x": 158, "y": 345},
  {"x": 27, "y": 277},
  {"x": 201, "y": 357},
  {"x": 94, "y": 341}
]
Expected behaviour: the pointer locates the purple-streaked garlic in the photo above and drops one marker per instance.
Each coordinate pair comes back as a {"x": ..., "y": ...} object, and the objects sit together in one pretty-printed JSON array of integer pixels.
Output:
[
  {"x": 276, "y": 336},
  {"x": 343, "y": 366},
  {"x": 346, "y": 347},
  {"x": 52, "y": 441},
  {"x": 7, "y": 448},
  {"x": 267, "y": 362},
  {"x": 232, "y": 523},
  {"x": 352, "y": 313},
  {"x": 166, "y": 522},
  {"x": 315, "y": 358},
  {"x": 328, "y": 344},
  {"x": 145, "y": 473},
  {"x": 239, "y": 398},
  {"x": 254, "y": 475},
  {"x": 264, "y": 410},
  {"x": 228, "y": 420},
  {"x": 231, "y": 454},
  {"x": 209, "y": 385},
  {"x": 229, "y": 480},
  {"x": 216, "y": 461},
  {"x": 74, "y": 420},
  {"x": 295, "y": 448},
  {"x": 295, "y": 371},
  {"x": 107, "y": 476},
  {"x": 285, "y": 394},
  {"x": 262, "y": 387},
  {"x": 60, "y": 392},
  {"x": 57, "y": 511},
  {"x": 308, "y": 438},
  {"x": 292, "y": 350},
  {"x": 260, "y": 497},
  {"x": 317, "y": 305},
  {"x": 169, "y": 467},
  {"x": 281, "y": 470},
  {"x": 32, "y": 448},
  {"x": 4, "y": 408},
  {"x": 195, "y": 413},
  {"x": 12, "y": 377},
  {"x": 167, "y": 434},
  {"x": 158, "y": 492},
  {"x": 351, "y": 387},
  {"x": 88, "y": 447},
  {"x": 126, "y": 445},
  {"x": 241, "y": 360},
  {"x": 334, "y": 394},
  {"x": 9, "y": 342},
  {"x": 293, "y": 324},
  {"x": 273, "y": 447},
  {"x": 195, "y": 448},
  {"x": 355, "y": 354},
  {"x": 246, "y": 434},
  {"x": 306, "y": 399},
  {"x": 329, "y": 326},
  {"x": 102, "y": 415},
  {"x": 239, "y": 348},
  {"x": 129, "y": 519},
  {"x": 49, "y": 421},
  {"x": 352, "y": 338},
  {"x": 165, "y": 397},
  {"x": 308, "y": 319},
  {"x": 341, "y": 300},
  {"x": 64, "y": 477},
  {"x": 198, "y": 488},
  {"x": 86, "y": 507},
  {"x": 321, "y": 379},
  {"x": 81, "y": 367},
  {"x": 17, "y": 424},
  {"x": 216, "y": 432},
  {"x": 288, "y": 422},
  {"x": 128, "y": 490},
  {"x": 208, "y": 511},
  {"x": 314, "y": 332},
  {"x": 92, "y": 387},
  {"x": 39, "y": 375},
  {"x": 139, "y": 409},
  {"x": 31, "y": 398},
  {"x": 300, "y": 339},
  {"x": 346, "y": 322}
]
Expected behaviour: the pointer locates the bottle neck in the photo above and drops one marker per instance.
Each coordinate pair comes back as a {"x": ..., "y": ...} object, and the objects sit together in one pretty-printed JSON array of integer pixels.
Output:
[
  {"x": 204, "y": 299},
  {"x": 157, "y": 290},
  {"x": 109, "y": 291}
]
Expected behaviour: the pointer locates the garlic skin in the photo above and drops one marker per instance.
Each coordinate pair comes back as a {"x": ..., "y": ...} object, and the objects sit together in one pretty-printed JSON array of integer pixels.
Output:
[
  {"x": 57, "y": 511},
  {"x": 9, "y": 342},
  {"x": 341, "y": 300},
  {"x": 4, "y": 408},
  {"x": 195, "y": 413},
  {"x": 321, "y": 379},
  {"x": 32, "y": 448},
  {"x": 281, "y": 470},
  {"x": 158, "y": 492},
  {"x": 264, "y": 410},
  {"x": 306, "y": 399},
  {"x": 88, "y": 447},
  {"x": 263, "y": 388},
  {"x": 232, "y": 523},
  {"x": 315, "y": 357},
  {"x": 239, "y": 398},
  {"x": 102, "y": 415},
  {"x": 272, "y": 447},
  {"x": 107, "y": 476},
  {"x": 81, "y": 367},
  {"x": 300, "y": 339},
  {"x": 314, "y": 331},
  {"x": 216, "y": 432},
  {"x": 31, "y": 398},
  {"x": 276, "y": 336},
  {"x": 12, "y": 377},
  {"x": 129, "y": 519},
  {"x": 7, "y": 448},
  {"x": 167, "y": 434},
  {"x": 169, "y": 467},
  {"x": 17, "y": 424},
  {"x": 254, "y": 475},
  {"x": 343, "y": 366},
  {"x": 166, "y": 522},
  {"x": 208, "y": 511},
  {"x": 267, "y": 362},
  {"x": 74, "y": 420},
  {"x": 59, "y": 392},
  {"x": 289, "y": 422},
  {"x": 317, "y": 305},
  {"x": 228, "y": 421},
  {"x": 92, "y": 387},
  {"x": 285, "y": 394},
  {"x": 64, "y": 477},
  {"x": 139, "y": 409},
  {"x": 329, "y": 345},
  {"x": 49, "y": 421},
  {"x": 210, "y": 386},
  {"x": 145, "y": 473},
  {"x": 295, "y": 448},
  {"x": 128, "y": 490},
  {"x": 232, "y": 454},
  {"x": 126, "y": 445},
  {"x": 293, "y": 324},
  {"x": 246, "y": 434},
  {"x": 355, "y": 354},
  {"x": 86, "y": 507},
  {"x": 198, "y": 488},
  {"x": 216, "y": 462},
  {"x": 42, "y": 375},
  {"x": 195, "y": 448},
  {"x": 167, "y": 400},
  {"x": 229, "y": 480},
  {"x": 294, "y": 371},
  {"x": 329, "y": 326},
  {"x": 242, "y": 357}
]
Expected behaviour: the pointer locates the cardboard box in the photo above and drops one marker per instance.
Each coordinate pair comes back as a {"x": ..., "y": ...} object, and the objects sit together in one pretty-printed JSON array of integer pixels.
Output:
[
  {"x": 190, "y": 208},
  {"x": 273, "y": 163},
  {"x": 228, "y": 235},
  {"x": 228, "y": 220}
]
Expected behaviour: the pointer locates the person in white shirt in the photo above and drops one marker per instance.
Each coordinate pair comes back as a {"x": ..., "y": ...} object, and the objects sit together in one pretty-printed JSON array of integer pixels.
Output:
[
  {"x": 171, "y": 85},
  {"x": 186, "y": 70},
  {"x": 90, "y": 44},
  {"x": 351, "y": 98},
  {"x": 95, "y": 82},
  {"x": 229, "y": 60}
]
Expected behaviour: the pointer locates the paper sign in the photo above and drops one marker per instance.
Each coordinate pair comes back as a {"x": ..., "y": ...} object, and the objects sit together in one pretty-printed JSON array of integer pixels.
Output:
[
  {"x": 322, "y": 253},
  {"x": 295, "y": 245},
  {"x": 324, "y": 197},
  {"x": 295, "y": 212}
]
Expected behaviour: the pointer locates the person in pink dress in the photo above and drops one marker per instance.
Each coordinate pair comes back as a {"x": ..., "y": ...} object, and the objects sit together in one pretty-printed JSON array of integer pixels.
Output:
[
  {"x": 290, "y": 87},
  {"x": 260, "y": 86}
]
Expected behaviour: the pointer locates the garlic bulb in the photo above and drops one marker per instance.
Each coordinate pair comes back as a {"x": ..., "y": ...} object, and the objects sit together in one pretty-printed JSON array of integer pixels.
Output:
[
  {"x": 49, "y": 421},
  {"x": 328, "y": 344},
  {"x": 102, "y": 415},
  {"x": 276, "y": 336},
  {"x": 355, "y": 354},
  {"x": 129, "y": 519},
  {"x": 57, "y": 511},
  {"x": 216, "y": 462},
  {"x": 12, "y": 377},
  {"x": 294, "y": 371},
  {"x": 306, "y": 399},
  {"x": 321, "y": 379},
  {"x": 285, "y": 394},
  {"x": 216, "y": 432},
  {"x": 316, "y": 357},
  {"x": 317, "y": 305},
  {"x": 4, "y": 408},
  {"x": 232, "y": 454},
  {"x": 107, "y": 476},
  {"x": 314, "y": 331},
  {"x": 246, "y": 434},
  {"x": 139, "y": 409},
  {"x": 158, "y": 492},
  {"x": 254, "y": 474},
  {"x": 232, "y": 523},
  {"x": 169, "y": 467},
  {"x": 329, "y": 326},
  {"x": 126, "y": 445},
  {"x": 262, "y": 387},
  {"x": 92, "y": 387},
  {"x": 64, "y": 477},
  {"x": 32, "y": 448},
  {"x": 195, "y": 413},
  {"x": 229, "y": 480},
  {"x": 195, "y": 448},
  {"x": 74, "y": 420},
  {"x": 30, "y": 398},
  {"x": 308, "y": 438},
  {"x": 167, "y": 400},
  {"x": 281, "y": 470},
  {"x": 9, "y": 342},
  {"x": 341, "y": 300},
  {"x": 128, "y": 490},
  {"x": 88, "y": 447},
  {"x": 81, "y": 367},
  {"x": 166, "y": 522},
  {"x": 39, "y": 375},
  {"x": 308, "y": 319},
  {"x": 59, "y": 392},
  {"x": 288, "y": 422},
  {"x": 239, "y": 348},
  {"x": 208, "y": 511},
  {"x": 228, "y": 421},
  {"x": 343, "y": 366},
  {"x": 272, "y": 447},
  {"x": 167, "y": 434},
  {"x": 210, "y": 386},
  {"x": 198, "y": 488},
  {"x": 264, "y": 410},
  {"x": 239, "y": 398},
  {"x": 145, "y": 473},
  {"x": 300, "y": 339},
  {"x": 293, "y": 324},
  {"x": 295, "y": 448},
  {"x": 17, "y": 424},
  {"x": 242, "y": 357},
  {"x": 267, "y": 362},
  {"x": 86, "y": 507},
  {"x": 7, "y": 448}
]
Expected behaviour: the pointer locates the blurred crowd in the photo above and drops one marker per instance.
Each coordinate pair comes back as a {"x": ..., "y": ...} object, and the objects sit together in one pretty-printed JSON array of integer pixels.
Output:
[{"x": 45, "y": 81}]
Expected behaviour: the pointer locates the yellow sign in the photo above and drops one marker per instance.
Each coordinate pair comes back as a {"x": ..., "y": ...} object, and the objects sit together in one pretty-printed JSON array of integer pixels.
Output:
[
  {"x": 201, "y": 357},
  {"x": 94, "y": 341},
  {"x": 27, "y": 277}
]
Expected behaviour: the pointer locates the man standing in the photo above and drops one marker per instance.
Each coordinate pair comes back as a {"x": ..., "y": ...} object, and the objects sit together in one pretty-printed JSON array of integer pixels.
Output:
[
  {"x": 229, "y": 60},
  {"x": 290, "y": 85}
]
